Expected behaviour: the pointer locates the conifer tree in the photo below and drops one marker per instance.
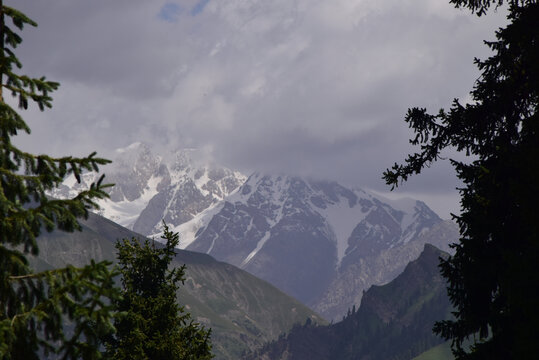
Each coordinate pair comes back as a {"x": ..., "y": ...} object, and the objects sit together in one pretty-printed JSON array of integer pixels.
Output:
[
  {"x": 493, "y": 278},
  {"x": 150, "y": 323},
  {"x": 62, "y": 311}
]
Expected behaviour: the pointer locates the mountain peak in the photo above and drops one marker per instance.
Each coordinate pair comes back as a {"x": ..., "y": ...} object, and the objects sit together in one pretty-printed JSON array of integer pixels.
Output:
[
  {"x": 308, "y": 237},
  {"x": 277, "y": 225},
  {"x": 132, "y": 147}
]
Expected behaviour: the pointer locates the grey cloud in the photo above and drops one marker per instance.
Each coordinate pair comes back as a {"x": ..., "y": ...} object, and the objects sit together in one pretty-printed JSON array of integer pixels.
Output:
[
  {"x": 309, "y": 86},
  {"x": 121, "y": 46}
]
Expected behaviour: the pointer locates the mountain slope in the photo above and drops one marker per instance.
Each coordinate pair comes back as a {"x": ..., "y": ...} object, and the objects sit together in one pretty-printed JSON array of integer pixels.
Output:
[
  {"x": 150, "y": 188},
  {"x": 348, "y": 285},
  {"x": 394, "y": 321},
  {"x": 320, "y": 242},
  {"x": 242, "y": 310},
  {"x": 440, "y": 352}
]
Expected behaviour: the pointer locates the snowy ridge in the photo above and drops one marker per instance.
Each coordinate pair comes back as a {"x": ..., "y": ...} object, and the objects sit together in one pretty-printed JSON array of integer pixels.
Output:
[
  {"x": 188, "y": 230},
  {"x": 343, "y": 211},
  {"x": 341, "y": 215},
  {"x": 415, "y": 213},
  {"x": 342, "y": 219},
  {"x": 276, "y": 194},
  {"x": 178, "y": 188},
  {"x": 259, "y": 246},
  {"x": 126, "y": 212},
  {"x": 302, "y": 235}
]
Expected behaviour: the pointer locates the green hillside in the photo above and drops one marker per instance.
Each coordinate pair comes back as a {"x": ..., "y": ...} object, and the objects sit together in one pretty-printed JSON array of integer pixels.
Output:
[
  {"x": 440, "y": 352},
  {"x": 243, "y": 311},
  {"x": 394, "y": 321}
]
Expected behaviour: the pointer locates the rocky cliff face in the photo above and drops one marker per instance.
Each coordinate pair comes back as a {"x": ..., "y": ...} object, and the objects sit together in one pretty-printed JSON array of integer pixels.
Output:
[
  {"x": 394, "y": 321},
  {"x": 348, "y": 286},
  {"x": 149, "y": 188},
  {"x": 319, "y": 241},
  {"x": 193, "y": 188}
]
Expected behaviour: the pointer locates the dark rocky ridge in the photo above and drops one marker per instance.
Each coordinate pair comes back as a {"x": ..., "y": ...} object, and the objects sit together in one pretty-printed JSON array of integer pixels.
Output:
[{"x": 394, "y": 321}]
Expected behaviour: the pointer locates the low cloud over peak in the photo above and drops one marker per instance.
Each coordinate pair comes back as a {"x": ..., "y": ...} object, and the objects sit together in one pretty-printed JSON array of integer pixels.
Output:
[{"x": 308, "y": 86}]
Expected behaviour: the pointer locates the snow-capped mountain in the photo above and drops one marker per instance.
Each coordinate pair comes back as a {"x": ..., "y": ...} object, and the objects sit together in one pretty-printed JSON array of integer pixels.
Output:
[
  {"x": 304, "y": 236},
  {"x": 149, "y": 188},
  {"x": 318, "y": 241}
]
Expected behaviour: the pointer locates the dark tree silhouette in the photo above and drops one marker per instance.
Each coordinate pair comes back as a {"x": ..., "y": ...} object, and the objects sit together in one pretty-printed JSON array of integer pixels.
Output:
[
  {"x": 493, "y": 278},
  {"x": 61, "y": 311},
  {"x": 150, "y": 323}
]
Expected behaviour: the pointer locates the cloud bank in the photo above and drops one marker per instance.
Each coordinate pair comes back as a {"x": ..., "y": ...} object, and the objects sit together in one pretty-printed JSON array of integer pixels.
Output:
[{"x": 308, "y": 87}]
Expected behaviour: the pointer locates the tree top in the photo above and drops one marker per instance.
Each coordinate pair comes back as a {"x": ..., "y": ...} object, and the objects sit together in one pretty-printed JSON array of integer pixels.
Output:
[{"x": 480, "y": 7}]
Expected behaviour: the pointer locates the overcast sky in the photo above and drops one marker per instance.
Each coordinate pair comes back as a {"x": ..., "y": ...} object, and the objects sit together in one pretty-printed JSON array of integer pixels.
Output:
[{"x": 310, "y": 87}]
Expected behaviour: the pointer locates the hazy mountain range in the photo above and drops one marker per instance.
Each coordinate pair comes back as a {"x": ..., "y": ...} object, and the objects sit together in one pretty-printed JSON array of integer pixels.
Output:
[
  {"x": 394, "y": 321},
  {"x": 150, "y": 188},
  {"x": 243, "y": 311},
  {"x": 250, "y": 318},
  {"x": 319, "y": 241}
]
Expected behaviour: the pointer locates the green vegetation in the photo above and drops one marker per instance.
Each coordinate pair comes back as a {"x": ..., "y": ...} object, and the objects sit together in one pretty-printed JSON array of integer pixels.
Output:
[
  {"x": 66, "y": 312},
  {"x": 270, "y": 311},
  {"x": 250, "y": 311},
  {"x": 62, "y": 311},
  {"x": 493, "y": 276},
  {"x": 393, "y": 322},
  {"x": 440, "y": 352},
  {"x": 150, "y": 324}
]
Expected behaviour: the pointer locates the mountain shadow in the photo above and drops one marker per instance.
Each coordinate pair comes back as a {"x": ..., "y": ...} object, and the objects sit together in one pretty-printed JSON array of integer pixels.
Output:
[
  {"x": 394, "y": 321},
  {"x": 243, "y": 311}
]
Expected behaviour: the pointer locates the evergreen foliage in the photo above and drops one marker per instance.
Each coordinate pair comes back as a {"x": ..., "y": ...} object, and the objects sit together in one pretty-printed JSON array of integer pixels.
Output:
[
  {"x": 494, "y": 275},
  {"x": 150, "y": 323},
  {"x": 393, "y": 321},
  {"x": 62, "y": 311}
]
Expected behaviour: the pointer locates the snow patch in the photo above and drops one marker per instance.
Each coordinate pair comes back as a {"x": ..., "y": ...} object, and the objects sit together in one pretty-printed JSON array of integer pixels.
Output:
[
  {"x": 408, "y": 206},
  {"x": 188, "y": 230},
  {"x": 259, "y": 246},
  {"x": 133, "y": 146},
  {"x": 126, "y": 212},
  {"x": 201, "y": 181},
  {"x": 70, "y": 181},
  {"x": 342, "y": 219}
]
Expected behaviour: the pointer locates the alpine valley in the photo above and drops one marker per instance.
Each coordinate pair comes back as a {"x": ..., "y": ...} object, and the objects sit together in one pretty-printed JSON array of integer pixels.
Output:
[
  {"x": 394, "y": 321},
  {"x": 242, "y": 311},
  {"x": 321, "y": 242},
  {"x": 250, "y": 318}
]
